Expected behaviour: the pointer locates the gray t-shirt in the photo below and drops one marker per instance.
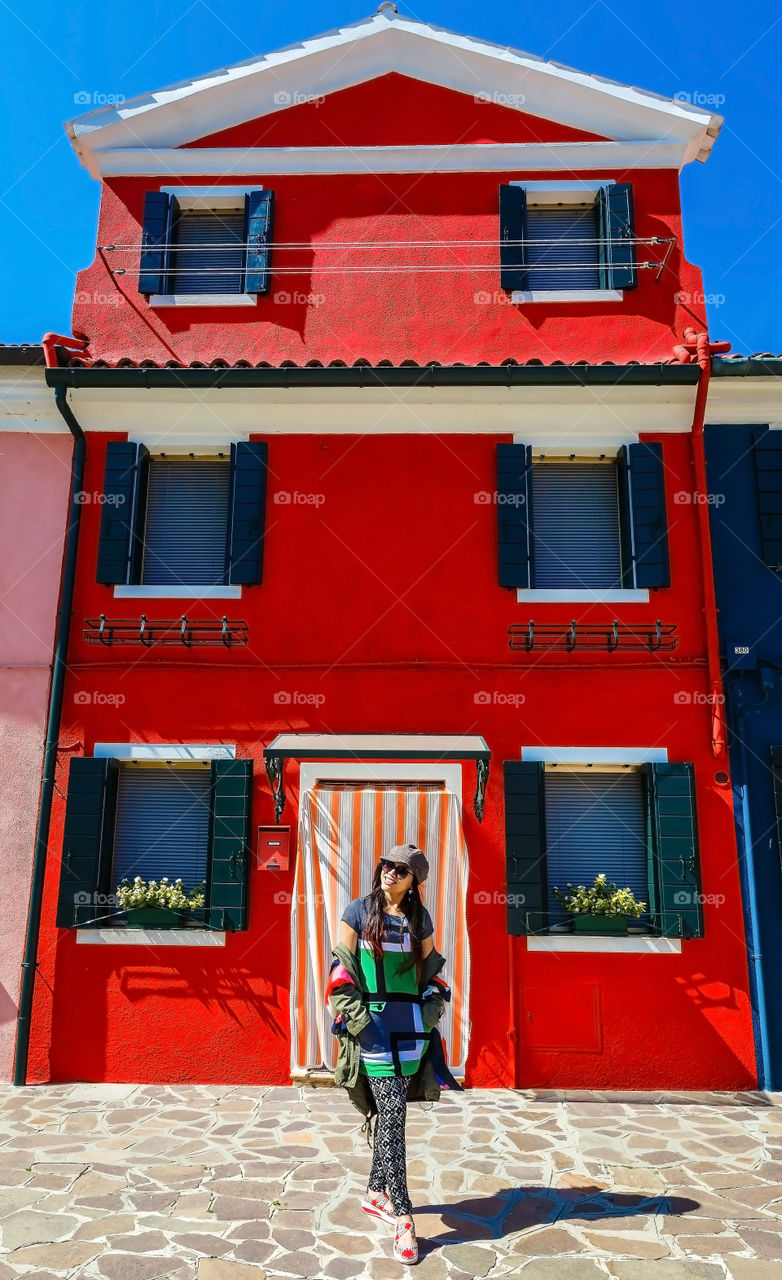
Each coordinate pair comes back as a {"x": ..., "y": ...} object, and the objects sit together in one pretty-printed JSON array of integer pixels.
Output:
[{"x": 357, "y": 911}]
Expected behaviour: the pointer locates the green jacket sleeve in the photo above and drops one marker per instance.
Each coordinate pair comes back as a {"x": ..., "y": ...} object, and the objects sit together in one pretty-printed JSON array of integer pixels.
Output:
[{"x": 348, "y": 1001}]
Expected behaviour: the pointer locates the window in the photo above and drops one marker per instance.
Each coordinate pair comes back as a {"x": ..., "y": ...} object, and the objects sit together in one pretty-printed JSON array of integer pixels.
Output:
[
  {"x": 637, "y": 826},
  {"x": 121, "y": 820},
  {"x": 182, "y": 525},
  {"x": 576, "y": 525},
  {"x": 162, "y": 824},
  {"x": 595, "y": 822},
  {"x": 206, "y": 246},
  {"x": 576, "y": 528},
  {"x": 208, "y": 256},
  {"x": 186, "y": 522},
  {"x": 562, "y": 249},
  {"x": 567, "y": 241}
]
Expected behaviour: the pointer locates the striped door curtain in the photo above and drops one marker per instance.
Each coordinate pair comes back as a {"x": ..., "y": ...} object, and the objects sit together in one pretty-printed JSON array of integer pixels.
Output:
[{"x": 343, "y": 831}]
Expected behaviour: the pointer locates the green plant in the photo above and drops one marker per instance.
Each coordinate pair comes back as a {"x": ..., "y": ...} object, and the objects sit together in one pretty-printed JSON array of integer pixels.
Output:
[
  {"x": 160, "y": 893},
  {"x": 600, "y": 899}
]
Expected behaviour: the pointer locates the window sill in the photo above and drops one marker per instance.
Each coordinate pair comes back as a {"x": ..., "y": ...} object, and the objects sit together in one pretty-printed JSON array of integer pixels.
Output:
[
  {"x": 553, "y": 595},
  {"x": 596, "y": 942},
  {"x": 138, "y": 591},
  {"x": 568, "y": 295},
  {"x": 155, "y": 937},
  {"x": 203, "y": 299}
]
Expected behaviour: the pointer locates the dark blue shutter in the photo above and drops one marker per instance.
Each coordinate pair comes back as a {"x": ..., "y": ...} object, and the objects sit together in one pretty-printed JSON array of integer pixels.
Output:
[
  {"x": 625, "y": 518},
  {"x": 525, "y": 846},
  {"x": 247, "y": 511},
  {"x": 87, "y": 837},
  {"x": 617, "y": 237},
  {"x": 776, "y": 773},
  {"x": 260, "y": 224},
  {"x": 513, "y": 221},
  {"x": 155, "y": 232},
  {"x": 675, "y": 849},
  {"x": 229, "y": 852},
  {"x": 514, "y": 516},
  {"x": 122, "y": 517},
  {"x": 642, "y": 483},
  {"x": 768, "y": 472}
]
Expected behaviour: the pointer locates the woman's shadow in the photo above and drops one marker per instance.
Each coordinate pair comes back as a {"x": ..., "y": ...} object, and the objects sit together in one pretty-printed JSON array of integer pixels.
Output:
[{"x": 516, "y": 1208}]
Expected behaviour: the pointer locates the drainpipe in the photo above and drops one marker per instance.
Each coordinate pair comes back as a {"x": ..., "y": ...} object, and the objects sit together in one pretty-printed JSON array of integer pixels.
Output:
[
  {"x": 513, "y": 1034},
  {"x": 698, "y": 347},
  {"x": 751, "y": 905},
  {"x": 62, "y": 629}
]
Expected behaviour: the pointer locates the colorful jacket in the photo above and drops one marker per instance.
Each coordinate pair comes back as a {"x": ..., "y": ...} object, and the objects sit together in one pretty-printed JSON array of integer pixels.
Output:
[{"x": 344, "y": 991}]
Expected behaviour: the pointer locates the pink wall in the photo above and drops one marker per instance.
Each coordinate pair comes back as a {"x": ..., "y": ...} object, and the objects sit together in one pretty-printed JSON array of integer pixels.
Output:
[{"x": 34, "y": 486}]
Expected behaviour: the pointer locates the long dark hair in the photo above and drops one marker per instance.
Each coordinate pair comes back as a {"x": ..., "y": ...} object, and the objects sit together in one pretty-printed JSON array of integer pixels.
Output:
[{"x": 411, "y": 906}]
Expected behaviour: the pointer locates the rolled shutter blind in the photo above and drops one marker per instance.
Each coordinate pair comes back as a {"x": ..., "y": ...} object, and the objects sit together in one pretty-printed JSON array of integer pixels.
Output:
[
  {"x": 595, "y": 822},
  {"x": 575, "y": 527},
  {"x": 186, "y": 533},
  {"x": 199, "y": 266},
  {"x": 555, "y": 259},
  {"x": 162, "y": 825}
]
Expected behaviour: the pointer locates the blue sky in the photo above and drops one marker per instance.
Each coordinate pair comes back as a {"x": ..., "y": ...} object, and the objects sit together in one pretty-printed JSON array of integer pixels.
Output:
[{"x": 732, "y": 204}]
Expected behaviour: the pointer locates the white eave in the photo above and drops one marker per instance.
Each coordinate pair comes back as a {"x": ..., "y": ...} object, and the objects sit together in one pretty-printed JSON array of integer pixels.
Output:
[{"x": 376, "y": 46}]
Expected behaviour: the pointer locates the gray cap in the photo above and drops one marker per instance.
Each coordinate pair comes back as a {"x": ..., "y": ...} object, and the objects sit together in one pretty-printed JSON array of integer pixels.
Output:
[{"x": 411, "y": 856}]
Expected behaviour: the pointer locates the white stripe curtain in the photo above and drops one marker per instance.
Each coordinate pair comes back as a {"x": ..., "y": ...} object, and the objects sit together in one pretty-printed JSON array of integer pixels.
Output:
[{"x": 343, "y": 831}]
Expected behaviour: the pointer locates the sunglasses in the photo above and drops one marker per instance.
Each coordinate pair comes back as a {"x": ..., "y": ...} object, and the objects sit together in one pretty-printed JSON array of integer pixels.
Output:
[{"x": 399, "y": 870}]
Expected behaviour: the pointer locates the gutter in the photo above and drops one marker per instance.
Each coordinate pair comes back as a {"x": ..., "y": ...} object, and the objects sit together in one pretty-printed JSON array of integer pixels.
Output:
[
  {"x": 751, "y": 367},
  {"x": 368, "y": 376},
  {"x": 54, "y": 716}
]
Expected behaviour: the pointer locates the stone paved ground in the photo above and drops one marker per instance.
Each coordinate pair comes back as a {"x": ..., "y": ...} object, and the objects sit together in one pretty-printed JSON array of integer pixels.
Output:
[{"x": 143, "y": 1182}]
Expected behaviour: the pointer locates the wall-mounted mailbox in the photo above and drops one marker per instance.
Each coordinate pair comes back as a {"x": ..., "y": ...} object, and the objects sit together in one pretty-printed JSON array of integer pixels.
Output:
[{"x": 273, "y": 848}]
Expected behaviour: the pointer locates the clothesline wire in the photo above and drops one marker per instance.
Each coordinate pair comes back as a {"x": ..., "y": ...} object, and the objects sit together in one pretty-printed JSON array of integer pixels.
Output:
[{"x": 159, "y": 246}]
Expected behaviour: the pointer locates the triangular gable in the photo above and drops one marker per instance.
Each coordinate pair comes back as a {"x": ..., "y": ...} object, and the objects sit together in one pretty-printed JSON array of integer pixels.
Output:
[
  {"x": 379, "y": 46},
  {"x": 394, "y": 111}
]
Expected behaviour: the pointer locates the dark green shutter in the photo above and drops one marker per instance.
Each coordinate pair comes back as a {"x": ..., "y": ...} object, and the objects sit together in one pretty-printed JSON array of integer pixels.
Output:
[
  {"x": 642, "y": 503},
  {"x": 122, "y": 517},
  {"x": 768, "y": 473},
  {"x": 87, "y": 838},
  {"x": 155, "y": 232},
  {"x": 260, "y": 223},
  {"x": 514, "y": 517},
  {"x": 513, "y": 221},
  {"x": 229, "y": 843},
  {"x": 677, "y": 878},
  {"x": 525, "y": 846},
  {"x": 617, "y": 237},
  {"x": 776, "y": 773},
  {"x": 249, "y": 466}
]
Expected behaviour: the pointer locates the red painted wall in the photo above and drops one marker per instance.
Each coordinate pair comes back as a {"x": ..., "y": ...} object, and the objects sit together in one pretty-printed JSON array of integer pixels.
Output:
[
  {"x": 398, "y": 643},
  {"x": 456, "y": 315}
]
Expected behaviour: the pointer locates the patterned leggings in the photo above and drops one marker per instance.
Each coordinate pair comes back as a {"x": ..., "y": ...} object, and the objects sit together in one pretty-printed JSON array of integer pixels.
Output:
[{"x": 388, "y": 1157}]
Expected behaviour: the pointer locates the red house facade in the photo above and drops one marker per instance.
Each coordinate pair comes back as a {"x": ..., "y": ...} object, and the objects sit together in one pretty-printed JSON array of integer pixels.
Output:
[{"x": 391, "y": 529}]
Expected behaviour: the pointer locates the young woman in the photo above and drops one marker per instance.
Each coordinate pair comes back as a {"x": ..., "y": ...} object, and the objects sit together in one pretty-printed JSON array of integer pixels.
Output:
[{"x": 390, "y": 932}]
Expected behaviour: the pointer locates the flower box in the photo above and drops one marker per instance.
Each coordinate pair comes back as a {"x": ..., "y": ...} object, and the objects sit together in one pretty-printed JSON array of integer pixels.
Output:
[
  {"x": 585, "y": 922},
  {"x": 144, "y": 917}
]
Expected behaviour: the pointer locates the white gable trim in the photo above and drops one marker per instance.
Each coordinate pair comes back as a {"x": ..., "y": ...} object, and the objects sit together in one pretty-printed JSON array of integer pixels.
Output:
[
  {"x": 500, "y": 157},
  {"x": 387, "y": 42}
]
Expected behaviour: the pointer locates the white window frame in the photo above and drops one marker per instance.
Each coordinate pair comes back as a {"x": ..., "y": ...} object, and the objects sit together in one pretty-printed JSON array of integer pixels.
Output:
[
  {"x": 606, "y": 758},
  {"x": 173, "y": 591},
  {"x": 168, "y": 753},
  {"x": 207, "y": 198},
  {"x": 567, "y": 193},
  {"x": 574, "y": 595}
]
